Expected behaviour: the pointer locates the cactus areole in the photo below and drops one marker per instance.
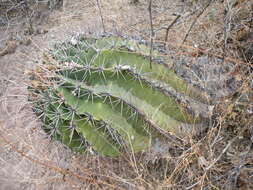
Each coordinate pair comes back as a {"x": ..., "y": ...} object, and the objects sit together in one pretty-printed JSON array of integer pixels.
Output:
[{"x": 100, "y": 94}]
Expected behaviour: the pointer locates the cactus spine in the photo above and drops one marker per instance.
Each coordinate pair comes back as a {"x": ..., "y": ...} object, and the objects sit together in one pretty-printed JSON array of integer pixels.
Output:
[{"x": 101, "y": 93}]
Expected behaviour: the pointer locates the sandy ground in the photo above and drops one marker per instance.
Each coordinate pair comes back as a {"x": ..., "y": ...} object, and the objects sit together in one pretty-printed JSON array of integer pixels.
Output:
[
  {"x": 17, "y": 122},
  {"x": 28, "y": 160},
  {"x": 18, "y": 125}
]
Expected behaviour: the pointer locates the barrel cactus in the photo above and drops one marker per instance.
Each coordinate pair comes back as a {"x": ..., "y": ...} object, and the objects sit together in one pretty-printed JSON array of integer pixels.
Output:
[{"x": 101, "y": 93}]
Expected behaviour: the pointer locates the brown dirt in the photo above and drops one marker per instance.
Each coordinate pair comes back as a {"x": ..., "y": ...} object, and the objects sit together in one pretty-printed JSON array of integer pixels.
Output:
[
  {"x": 18, "y": 123},
  {"x": 28, "y": 160},
  {"x": 19, "y": 126}
]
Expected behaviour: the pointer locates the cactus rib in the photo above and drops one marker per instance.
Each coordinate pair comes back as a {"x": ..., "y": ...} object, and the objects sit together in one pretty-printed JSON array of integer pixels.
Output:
[{"x": 100, "y": 93}]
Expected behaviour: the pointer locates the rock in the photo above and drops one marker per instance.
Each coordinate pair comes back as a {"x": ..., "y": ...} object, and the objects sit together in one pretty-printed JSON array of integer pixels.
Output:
[{"x": 211, "y": 75}]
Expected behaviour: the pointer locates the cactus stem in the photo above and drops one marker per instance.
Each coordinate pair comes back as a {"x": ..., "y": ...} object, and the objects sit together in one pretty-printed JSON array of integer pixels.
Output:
[{"x": 102, "y": 94}]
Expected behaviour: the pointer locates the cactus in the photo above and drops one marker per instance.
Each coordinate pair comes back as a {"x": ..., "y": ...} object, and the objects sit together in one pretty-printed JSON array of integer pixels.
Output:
[{"x": 101, "y": 93}]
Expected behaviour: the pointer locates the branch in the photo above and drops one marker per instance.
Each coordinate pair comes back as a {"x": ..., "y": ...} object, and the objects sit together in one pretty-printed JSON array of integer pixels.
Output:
[
  {"x": 151, "y": 32},
  {"x": 195, "y": 20},
  {"x": 101, "y": 16},
  {"x": 227, "y": 26},
  {"x": 169, "y": 27},
  {"x": 64, "y": 172}
]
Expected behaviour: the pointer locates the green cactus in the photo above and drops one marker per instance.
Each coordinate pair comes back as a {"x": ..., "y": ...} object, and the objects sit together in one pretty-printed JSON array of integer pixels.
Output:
[{"x": 101, "y": 93}]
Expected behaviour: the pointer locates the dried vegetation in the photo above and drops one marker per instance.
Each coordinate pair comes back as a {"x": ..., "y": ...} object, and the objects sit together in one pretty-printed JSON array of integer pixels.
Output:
[{"x": 221, "y": 157}]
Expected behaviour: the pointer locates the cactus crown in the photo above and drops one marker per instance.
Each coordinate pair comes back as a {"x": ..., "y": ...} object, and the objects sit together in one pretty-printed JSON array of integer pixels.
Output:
[{"x": 101, "y": 93}]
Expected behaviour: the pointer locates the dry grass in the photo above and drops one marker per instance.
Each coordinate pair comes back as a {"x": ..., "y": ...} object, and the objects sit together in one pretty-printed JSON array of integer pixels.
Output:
[{"x": 219, "y": 158}]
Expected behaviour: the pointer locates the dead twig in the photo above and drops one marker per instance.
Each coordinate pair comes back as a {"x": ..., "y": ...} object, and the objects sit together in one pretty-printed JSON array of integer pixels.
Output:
[
  {"x": 170, "y": 26},
  {"x": 195, "y": 20},
  {"x": 64, "y": 172},
  {"x": 180, "y": 45},
  {"x": 206, "y": 52},
  {"x": 101, "y": 16},
  {"x": 151, "y": 32},
  {"x": 227, "y": 26},
  {"x": 223, "y": 152}
]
